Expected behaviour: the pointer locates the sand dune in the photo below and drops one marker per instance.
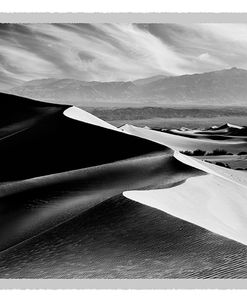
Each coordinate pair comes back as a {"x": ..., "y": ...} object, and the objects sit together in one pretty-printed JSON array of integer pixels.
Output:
[
  {"x": 182, "y": 143},
  {"x": 85, "y": 117},
  {"x": 68, "y": 162},
  {"x": 57, "y": 165},
  {"x": 124, "y": 239},
  {"x": 216, "y": 201},
  {"x": 228, "y": 132},
  {"x": 18, "y": 114},
  {"x": 58, "y": 143},
  {"x": 238, "y": 177},
  {"x": 207, "y": 201},
  {"x": 27, "y": 209}
]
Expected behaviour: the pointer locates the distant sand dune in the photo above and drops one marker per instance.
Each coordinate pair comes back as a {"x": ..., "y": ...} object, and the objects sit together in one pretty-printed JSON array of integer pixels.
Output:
[{"x": 182, "y": 143}]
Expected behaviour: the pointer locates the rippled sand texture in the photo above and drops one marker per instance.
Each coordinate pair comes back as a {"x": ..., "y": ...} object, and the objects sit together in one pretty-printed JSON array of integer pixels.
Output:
[
  {"x": 65, "y": 176},
  {"x": 123, "y": 239}
]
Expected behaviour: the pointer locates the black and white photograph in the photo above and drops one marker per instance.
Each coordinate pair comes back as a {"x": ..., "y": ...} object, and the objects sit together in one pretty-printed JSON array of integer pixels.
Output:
[{"x": 123, "y": 150}]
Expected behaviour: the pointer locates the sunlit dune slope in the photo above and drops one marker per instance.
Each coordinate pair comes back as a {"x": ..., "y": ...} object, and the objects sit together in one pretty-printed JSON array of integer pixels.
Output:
[
  {"x": 216, "y": 201},
  {"x": 182, "y": 143},
  {"x": 78, "y": 114},
  {"x": 227, "y": 132}
]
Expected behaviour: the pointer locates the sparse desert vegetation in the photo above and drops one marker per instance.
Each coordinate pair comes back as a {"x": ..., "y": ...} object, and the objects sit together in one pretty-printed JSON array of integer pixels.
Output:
[
  {"x": 242, "y": 153},
  {"x": 225, "y": 165},
  {"x": 221, "y": 157},
  {"x": 215, "y": 152}
]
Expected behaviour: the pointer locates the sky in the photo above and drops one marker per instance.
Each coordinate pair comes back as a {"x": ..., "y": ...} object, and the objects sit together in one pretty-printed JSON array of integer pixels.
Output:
[{"x": 117, "y": 52}]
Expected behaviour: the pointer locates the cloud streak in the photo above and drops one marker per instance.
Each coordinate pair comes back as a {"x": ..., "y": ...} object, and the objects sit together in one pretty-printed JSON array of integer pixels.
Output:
[{"x": 114, "y": 52}]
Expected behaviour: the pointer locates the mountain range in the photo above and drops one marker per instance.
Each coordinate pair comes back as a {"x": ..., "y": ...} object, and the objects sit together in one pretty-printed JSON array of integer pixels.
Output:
[{"x": 223, "y": 87}]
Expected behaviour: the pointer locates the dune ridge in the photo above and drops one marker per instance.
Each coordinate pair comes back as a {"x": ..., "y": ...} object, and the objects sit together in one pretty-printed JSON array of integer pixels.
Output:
[
  {"x": 216, "y": 201},
  {"x": 27, "y": 209},
  {"x": 60, "y": 170},
  {"x": 208, "y": 201},
  {"x": 81, "y": 161},
  {"x": 183, "y": 143},
  {"x": 58, "y": 143},
  {"x": 86, "y": 117}
]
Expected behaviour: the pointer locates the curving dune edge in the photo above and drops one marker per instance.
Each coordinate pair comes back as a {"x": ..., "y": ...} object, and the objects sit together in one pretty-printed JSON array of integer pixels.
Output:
[
  {"x": 216, "y": 201},
  {"x": 83, "y": 160}
]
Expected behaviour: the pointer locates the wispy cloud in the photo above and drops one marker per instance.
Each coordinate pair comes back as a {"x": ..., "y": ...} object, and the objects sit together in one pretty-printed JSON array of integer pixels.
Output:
[{"x": 108, "y": 52}]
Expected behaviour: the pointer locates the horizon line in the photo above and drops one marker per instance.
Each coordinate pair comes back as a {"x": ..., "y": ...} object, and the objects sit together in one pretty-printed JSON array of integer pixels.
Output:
[{"x": 153, "y": 76}]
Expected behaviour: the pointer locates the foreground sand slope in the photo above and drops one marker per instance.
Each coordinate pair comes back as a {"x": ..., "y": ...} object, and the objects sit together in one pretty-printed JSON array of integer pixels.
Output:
[{"x": 216, "y": 201}]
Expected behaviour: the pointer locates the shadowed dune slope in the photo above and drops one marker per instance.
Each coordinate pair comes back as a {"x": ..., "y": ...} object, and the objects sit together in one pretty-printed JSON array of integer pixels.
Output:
[
  {"x": 69, "y": 161},
  {"x": 57, "y": 143},
  {"x": 19, "y": 113},
  {"x": 44, "y": 202}
]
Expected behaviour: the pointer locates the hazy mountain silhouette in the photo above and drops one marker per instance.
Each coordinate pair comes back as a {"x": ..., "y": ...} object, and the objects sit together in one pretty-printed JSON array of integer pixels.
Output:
[
  {"x": 224, "y": 87},
  {"x": 150, "y": 80}
]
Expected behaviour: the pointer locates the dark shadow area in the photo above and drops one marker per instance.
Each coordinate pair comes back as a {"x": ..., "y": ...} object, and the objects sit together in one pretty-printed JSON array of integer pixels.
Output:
[{"x": 34, "y": 206}]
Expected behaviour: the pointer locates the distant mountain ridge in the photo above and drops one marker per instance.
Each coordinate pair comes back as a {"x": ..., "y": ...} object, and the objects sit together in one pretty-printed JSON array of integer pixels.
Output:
[
  {"x": 224, "y": 87},
  {"x": 150, "y": 80}
]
